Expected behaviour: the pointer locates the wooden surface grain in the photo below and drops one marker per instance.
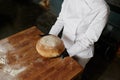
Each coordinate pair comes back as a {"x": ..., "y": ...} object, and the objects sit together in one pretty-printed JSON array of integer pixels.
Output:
[{"x": 19, "y": 60}]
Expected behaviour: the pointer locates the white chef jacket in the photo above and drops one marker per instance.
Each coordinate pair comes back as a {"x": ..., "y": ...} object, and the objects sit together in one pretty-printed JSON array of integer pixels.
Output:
[{"x": 83, "y": 22}]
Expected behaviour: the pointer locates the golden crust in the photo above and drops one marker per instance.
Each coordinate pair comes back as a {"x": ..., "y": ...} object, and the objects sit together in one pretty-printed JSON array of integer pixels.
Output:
[{"x": 50, "y": 51}]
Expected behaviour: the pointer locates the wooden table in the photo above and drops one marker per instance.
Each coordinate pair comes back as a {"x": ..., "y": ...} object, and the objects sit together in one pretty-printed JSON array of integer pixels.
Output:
[{"x": 19, "y": 60}]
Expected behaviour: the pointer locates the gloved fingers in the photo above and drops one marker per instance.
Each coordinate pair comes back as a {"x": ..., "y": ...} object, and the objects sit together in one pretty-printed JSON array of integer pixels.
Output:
[
  {"x": 64, "y": 54},
  {"x": 42, "y": 35}
]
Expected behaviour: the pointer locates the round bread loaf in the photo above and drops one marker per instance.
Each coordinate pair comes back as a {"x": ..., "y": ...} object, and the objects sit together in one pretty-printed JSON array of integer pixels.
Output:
[{"x": 50, "y": 46}]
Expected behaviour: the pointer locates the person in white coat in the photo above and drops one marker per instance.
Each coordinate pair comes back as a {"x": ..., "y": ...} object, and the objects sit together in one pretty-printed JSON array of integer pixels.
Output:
[{"x": 82, "y": 22}]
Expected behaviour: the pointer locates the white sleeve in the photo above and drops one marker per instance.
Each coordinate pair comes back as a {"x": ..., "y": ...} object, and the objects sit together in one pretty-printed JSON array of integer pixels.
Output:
[
  {"x": 91, "y": 35},
  {"x": 57, "y": 27}
]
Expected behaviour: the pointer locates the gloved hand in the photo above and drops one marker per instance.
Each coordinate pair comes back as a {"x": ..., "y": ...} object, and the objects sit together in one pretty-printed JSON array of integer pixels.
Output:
[
  {"x": 64, "y": 54},
  {"x": 42, "y": 35}
]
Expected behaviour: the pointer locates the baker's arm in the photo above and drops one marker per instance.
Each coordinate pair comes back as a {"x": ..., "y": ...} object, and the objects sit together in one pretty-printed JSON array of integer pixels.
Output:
[
  {"x": 57, "y": 27},
  {"x": 92, "y": 34}
]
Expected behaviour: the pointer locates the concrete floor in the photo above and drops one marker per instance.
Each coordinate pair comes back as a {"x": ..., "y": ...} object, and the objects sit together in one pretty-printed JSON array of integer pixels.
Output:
[
  {"x": 100, "y": 69},
  {"x": 113, "y": 71}
]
